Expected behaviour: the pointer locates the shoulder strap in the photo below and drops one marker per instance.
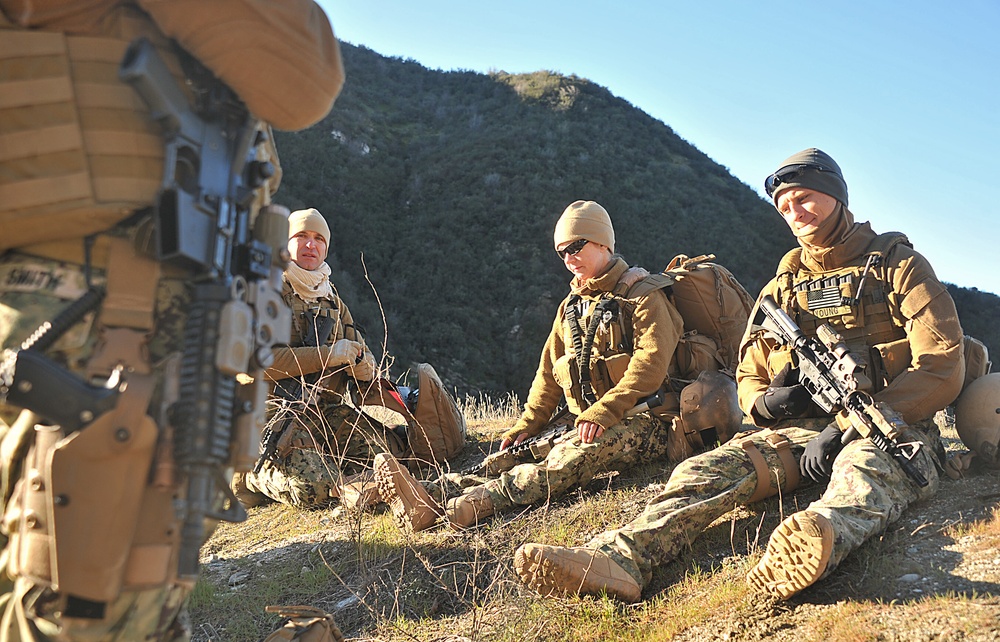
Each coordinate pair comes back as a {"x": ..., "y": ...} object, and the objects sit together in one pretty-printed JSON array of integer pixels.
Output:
[
  {"x": 883, "y": 243},
  {"x": 790, "y": 262},
  {"x": 649, "y": 284}
]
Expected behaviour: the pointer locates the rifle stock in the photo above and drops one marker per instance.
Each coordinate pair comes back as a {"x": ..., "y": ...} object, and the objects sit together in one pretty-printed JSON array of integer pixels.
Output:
[{"x": 829, "y": 372}]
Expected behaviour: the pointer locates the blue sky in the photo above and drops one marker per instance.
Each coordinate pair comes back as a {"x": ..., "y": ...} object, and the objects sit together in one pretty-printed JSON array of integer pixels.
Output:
[{"x": 905, "y": 96}]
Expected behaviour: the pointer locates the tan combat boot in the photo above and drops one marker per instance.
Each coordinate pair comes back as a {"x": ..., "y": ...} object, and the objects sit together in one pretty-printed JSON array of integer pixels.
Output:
[
  {"x": 360, "y": 491},
  {"x": 556, "y": 570},
  {"x": 411, "y": 504},
  {"x": 471, "y": 508},
  {"x": 797, "y": 555}
]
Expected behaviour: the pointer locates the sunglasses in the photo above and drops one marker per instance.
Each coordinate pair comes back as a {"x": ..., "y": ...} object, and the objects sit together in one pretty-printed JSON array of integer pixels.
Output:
[
  {"x": 788, "y": 174},
  {"x": 572, "y": 249}
]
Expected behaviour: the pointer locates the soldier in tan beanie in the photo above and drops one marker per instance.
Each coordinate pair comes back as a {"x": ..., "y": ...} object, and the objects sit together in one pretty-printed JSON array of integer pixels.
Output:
[
  {"x": 617, "y": 376},
  {"x": 895, "y": 317},
  {"x": 326, "y": 442}
]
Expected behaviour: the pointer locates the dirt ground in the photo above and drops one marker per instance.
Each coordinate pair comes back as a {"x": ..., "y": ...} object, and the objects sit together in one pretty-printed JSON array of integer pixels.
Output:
[{"x": 934, "y": 575}]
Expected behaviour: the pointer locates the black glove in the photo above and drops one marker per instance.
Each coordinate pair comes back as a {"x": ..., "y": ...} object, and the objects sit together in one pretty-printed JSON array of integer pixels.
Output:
[
  {"x": 817, "y": 461},
  {"x": 783, "y": 402},
  {"x": 785, "y": 397}
]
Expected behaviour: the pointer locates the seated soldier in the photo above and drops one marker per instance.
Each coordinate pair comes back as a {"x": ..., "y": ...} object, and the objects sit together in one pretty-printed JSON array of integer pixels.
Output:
[
  {"x": 319, "y": 447},
  {"x": 894, "y": 315},
  {"x": 591, "y": 335}
]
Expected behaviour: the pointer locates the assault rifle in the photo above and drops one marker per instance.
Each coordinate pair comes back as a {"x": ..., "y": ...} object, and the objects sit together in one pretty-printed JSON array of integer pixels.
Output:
[
  {"x": 536, "y": 448},
  {"x": 236, "y": 315},
  {"x": 291, "y": 392},
  {"x": 828, "y": 371}
]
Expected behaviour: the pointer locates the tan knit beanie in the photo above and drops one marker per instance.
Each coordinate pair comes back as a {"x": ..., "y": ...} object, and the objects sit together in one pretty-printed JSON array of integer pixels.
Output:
[
  {"x": 585, "y": 220},
  {"x": 311, "y": 220}
]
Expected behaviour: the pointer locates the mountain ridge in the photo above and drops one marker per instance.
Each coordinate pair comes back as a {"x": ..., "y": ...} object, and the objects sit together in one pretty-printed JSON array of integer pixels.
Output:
[{"x": 442, "y": 189}]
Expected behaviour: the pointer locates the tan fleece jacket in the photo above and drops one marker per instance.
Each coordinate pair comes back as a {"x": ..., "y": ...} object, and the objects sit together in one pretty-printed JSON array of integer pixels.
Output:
[
  {"x": 656, "y": 328},
  {"x": 918, "y": 303}
]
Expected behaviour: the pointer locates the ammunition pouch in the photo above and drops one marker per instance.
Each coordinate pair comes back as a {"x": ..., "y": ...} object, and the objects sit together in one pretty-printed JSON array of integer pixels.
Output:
[
  {"x": 566, "y": 373},
  {"x": 790, "y": 467}
]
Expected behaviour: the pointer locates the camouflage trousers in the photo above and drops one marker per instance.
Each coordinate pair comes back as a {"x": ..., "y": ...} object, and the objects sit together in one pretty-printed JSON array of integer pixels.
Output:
[
  {"x": 867, "y": 491},
  {"x": 32, "y": 613},
  {"x": 34, "y": 290},
  {"x": 635, "y": 440},
  {"x": 329, "y": 442}
]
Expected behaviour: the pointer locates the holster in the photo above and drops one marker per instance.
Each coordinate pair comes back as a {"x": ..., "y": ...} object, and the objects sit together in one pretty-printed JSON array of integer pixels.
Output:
[{"x": 77, "y": 505}]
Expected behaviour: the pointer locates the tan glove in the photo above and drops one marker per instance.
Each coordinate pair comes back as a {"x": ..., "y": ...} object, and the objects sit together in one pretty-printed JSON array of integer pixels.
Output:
[
  {"x": 345, "y": 352},
  {"x": 364, "y": 371},
  {"x": 958, "y": 464}
]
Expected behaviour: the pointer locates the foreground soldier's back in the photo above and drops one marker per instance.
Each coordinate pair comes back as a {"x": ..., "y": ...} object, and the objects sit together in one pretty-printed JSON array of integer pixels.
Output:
[
  {"x": 81, "y": 163},
  {"x": 896, "y": 308}
]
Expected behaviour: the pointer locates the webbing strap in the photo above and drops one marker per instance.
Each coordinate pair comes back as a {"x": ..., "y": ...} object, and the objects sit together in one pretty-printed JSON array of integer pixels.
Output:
[
  {"x": 127, "y": 311},
  {"x": 784, "y": 447}
]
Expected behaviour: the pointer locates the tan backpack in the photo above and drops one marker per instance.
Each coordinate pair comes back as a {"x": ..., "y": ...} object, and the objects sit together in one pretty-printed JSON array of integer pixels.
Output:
[
  {"x": 435, "y": 426},
  {"x": 715, "y": 308}
]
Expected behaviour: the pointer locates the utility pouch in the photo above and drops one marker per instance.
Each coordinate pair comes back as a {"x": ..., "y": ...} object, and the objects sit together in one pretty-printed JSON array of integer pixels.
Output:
[
  {"x": 977, "y": 360},
  {"x": 696, "y": 353},
  {"x": 892, "y": 360},
  {"x": 615, "y": 366},
  {"x": 81, "y": 497},
  {"x": 566, "y": 372},
  {"x": 305, "y": 624}
]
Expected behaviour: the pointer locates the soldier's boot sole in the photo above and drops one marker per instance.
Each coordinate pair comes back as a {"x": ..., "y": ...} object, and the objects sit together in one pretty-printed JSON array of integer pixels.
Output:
[
  {"x": 797, "y": 555},
  {"x": 410, "y": 503},
  {"x": 556, "y": 570}
]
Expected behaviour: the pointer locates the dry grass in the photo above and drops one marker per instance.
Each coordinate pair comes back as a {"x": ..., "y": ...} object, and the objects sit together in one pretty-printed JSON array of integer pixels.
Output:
[{"x": 384, "y": 584}]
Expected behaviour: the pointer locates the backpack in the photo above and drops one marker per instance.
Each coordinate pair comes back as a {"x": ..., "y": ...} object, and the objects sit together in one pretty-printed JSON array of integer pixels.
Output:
[
  {"x": 715, "y": 308},
  {"x": 435, "y": 430}
]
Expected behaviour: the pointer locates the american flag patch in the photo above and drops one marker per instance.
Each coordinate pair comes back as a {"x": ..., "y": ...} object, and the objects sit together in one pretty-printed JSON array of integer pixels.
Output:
[{"x": 825, "y": 298}]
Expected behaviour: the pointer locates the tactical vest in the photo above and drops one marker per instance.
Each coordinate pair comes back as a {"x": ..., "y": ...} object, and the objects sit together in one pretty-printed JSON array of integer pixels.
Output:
[
  {"x": 599, "y": 329},
  {"x": 854, "y": 300},
  {"x": 303, "y": 313},
  {"x": 78, "y": 149}
]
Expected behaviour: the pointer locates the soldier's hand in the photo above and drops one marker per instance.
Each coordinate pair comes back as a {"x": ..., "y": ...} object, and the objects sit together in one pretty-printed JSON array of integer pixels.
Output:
[
  {"x": 817, "y": 460},
  {"x": 513, "y": 441},
  {"x": 345, "y": 352},
  {"x": 364, "y": 371},
  {"x": 589, "y": 431},
  {"x": 958, "y": 464}
]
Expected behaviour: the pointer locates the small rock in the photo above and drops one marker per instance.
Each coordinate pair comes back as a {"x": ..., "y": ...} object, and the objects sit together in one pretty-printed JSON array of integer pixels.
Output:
[
  {"x": 336, "y": 513},
  {"x": 239, "y": 578},
  {"x": 909, "y": 577},
  {"x": 346, "y": 602}
]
